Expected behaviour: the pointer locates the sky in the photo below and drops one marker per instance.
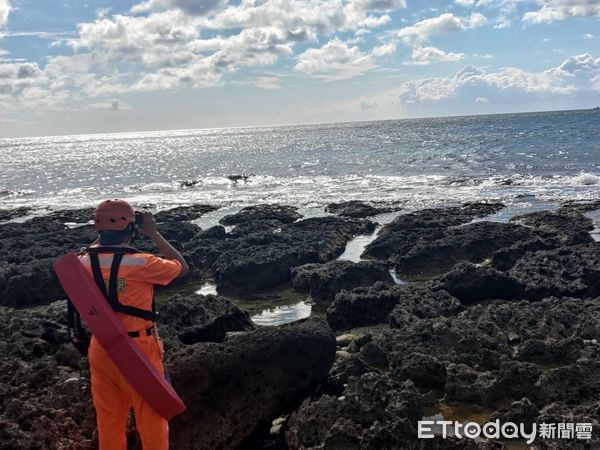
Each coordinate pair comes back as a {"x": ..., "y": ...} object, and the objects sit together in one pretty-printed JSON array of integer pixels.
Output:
[{"x": 73, "y": 67}]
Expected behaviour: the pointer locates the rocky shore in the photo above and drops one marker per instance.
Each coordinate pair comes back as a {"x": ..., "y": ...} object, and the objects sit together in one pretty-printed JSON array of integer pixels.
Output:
[{"x": 493, "y": 320}]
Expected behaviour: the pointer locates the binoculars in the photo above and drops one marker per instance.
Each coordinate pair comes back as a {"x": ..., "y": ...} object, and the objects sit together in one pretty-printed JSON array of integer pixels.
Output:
[{"x": 139, "y": 218}]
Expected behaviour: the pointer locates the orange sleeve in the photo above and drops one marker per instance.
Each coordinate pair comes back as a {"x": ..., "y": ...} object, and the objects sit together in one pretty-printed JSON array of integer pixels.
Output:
[{"x": 160, "y": 271}]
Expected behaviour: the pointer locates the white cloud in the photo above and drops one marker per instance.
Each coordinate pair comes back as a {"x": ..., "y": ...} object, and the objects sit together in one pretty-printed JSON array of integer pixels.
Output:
[
  {"x": 131, "y": 38},
  {"x": 51, "y": 35},
  {"x": 427, "y": 55},
  {"x": 15, "y": 78},
  {"x": 588, "y": 36},
  {"x": 482, "y": 100},
  {"x": 307, "y": 17},
  {"x": 164, "y": 51},
  {"x": 193, "y": 7},
  {"x": 418, "y": 34},
  {"x": 443, "y": 24},
  {"x": 578, "y": 75},
  {"x": 584, "y": 64},
  {"x": 385, "y": 49},
  {"x": 112, "y": 105},
  {"x": 170, "y": 44},
  {"x": 334, "y": 61},
  {"x": 465, "y": 2},
  {"x": 101, "y": 13},
  {"x": 377, "y": 5},
  {"x": 554, "y": 10},
  {"x": 5, "y": 9},
  {"x": 476, "y": 20}
]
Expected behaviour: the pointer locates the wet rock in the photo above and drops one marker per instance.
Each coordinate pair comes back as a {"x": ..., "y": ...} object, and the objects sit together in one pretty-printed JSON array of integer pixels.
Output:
[
  {"x": 458, "y": 339},
  {"x": 43, "y": 239},
  {"x": 372, "y": 354},
  {"x": 236, "y": 178},
  {"x": 424, "y": 370},
  {"x": 363, "y": 306},
  {"x": 572, "y": 227},
  {"x": 345, "y": 367},
  {"x": 45, "y": 400},
  {"x": 569, "y": 384},
  {"x": 381, "y": 303},
  {"x": 359, "y": 209},
  {"x": 467, "y": 385},
  {"x": 549, "y": 351},
  {"x": 420, "y": 302},
  {"x": 517, "y": 379},
  {"x": 28, "y": 251},
  {"x": 580, "y": 206},
  {"x": 522, "y": 411},
  {"x": 189, "y": 183},
  {"x": 470, "y": 283},
  {"x": 233, "y": 388},
  {"x": 343, "y": 434},
  {"x": 179, "y": 231},
  {"x": 264, "y": 259},
  {"x": 469, "y": 243},
  {"x": 79, "y": 216},
  {"x": 323, "y": 281},
  {"x": 390, "y": 242},
  {"x": 201, "y": 318},
  {"x": 423, "y": 225},
  {"x": 564, "y": 272},
  {"x": 485, "y": 354},
  {"x": 183, "y": 213},
  {"x": 282, "y": 213},
  {"x": 374, "y": 412},
  {"x": 255, "y": 226},
  {"x": 30, "y": 248},
  {"x": 28, "y": 284},
  {"x": 427, "y": 243},
  {"x": 310, "y": 424},
  {"x": 10, "y": 214},
  {"x": 505, "y": 258},
  {"x": 216, "y": 232}
]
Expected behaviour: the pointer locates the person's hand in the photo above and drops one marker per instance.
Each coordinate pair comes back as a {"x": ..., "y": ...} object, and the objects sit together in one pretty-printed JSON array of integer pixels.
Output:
[{"x": 149, "y": 227}]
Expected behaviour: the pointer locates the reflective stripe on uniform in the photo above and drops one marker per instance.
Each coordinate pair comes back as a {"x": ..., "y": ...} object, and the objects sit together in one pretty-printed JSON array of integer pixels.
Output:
[{"x": 106, "y": 260}]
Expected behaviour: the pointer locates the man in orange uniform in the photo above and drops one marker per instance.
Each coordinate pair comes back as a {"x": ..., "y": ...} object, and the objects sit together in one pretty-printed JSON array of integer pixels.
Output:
[{"x": 128, "y": 284}]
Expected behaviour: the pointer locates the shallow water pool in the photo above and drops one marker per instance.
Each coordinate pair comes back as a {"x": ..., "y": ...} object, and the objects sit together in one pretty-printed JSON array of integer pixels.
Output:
[{"x": 283, "y": 314}]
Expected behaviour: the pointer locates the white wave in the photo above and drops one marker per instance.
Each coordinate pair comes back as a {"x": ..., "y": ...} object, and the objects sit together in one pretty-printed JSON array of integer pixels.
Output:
[
  {"x": 588, "y": 179},
  {"x": 414, "y": 191}
]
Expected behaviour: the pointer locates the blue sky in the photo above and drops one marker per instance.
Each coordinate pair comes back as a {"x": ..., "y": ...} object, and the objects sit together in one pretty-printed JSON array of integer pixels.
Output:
[{"x": 106, "y": 66}]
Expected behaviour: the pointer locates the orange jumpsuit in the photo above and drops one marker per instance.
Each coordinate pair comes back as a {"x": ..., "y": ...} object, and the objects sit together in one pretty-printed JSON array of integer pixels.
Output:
[{"x": 112, "y": 394}]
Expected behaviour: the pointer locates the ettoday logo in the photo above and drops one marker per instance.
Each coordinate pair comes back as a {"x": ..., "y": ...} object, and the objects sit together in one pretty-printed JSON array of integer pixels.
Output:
[{"x": 428, "y": 429}]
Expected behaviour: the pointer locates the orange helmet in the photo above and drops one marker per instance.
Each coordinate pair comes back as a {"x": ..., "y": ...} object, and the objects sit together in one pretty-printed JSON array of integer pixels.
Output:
[{"x": 114, "y": 215}]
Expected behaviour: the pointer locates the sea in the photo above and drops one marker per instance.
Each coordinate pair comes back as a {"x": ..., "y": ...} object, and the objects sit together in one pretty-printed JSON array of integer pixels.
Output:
[{"x": 528, "y": 161}]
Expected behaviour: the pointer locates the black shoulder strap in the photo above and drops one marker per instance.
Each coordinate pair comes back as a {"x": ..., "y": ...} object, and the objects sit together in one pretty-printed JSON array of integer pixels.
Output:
[
  {"x": 107, "y": 249},
  {"x": 112, "y": 294}
]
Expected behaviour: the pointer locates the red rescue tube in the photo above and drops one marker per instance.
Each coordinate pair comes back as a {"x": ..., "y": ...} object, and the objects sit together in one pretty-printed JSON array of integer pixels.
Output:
[{"x": 112, "y": 336}]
